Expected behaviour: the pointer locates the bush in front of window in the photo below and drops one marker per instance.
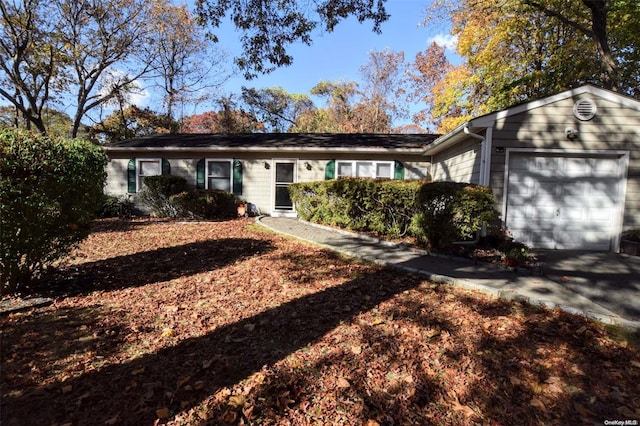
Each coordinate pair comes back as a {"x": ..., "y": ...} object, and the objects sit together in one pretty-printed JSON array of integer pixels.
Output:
[
  {"x": 384, "y": 207},
  {"x": 156, "y": 193},
  {"x": 50, "y": 190},
  {"x": 205, "y": 204},
  {"x": 436, "y": 213}
]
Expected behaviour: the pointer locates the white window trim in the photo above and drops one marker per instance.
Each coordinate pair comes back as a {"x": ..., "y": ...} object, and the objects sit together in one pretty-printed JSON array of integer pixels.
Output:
[
  {"x": 375, "y": 164},
  {"x": 139, "y": 169},
  {"x": 282, "y": 212},
  {"x": 206, "y": 171}
]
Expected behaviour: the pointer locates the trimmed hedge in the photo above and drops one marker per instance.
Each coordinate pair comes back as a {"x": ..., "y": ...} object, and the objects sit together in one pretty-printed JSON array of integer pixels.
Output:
[
  {"x": 385, "y": 207},
  {"x": 452, "y": 211},
  {"x": 205, "y": 204},
  {"x": 439, "y": 213}
]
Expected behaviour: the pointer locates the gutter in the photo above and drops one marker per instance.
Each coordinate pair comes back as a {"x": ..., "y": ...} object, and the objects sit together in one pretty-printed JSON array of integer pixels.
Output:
[
  {"x": 314, "y": 150},
  {"x": 446, "y": 140}
]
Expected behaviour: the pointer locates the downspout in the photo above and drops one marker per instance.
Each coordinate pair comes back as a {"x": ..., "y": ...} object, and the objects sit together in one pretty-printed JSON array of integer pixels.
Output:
[{"x": 482, "y": 180}]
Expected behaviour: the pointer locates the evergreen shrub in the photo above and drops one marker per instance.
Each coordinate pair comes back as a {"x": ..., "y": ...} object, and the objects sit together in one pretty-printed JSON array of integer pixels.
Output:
[
  {"x": 205, "y": 204},
  {"x": 452, "y": 211},
  {"x": 50, "y": 190},
  {"x": 384, "y": 207}
]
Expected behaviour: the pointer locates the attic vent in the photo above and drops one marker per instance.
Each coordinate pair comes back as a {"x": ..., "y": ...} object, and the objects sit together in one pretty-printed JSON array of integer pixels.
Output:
[{"x": 584, "y": 109}]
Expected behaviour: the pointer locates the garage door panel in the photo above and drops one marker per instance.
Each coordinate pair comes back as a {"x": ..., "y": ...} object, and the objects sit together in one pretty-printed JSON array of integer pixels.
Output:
[{"x": 558, "y": 201}]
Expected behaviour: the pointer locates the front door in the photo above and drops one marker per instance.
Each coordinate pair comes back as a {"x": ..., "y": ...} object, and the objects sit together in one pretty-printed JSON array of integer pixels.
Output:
[{"x": 285, "y": 175}]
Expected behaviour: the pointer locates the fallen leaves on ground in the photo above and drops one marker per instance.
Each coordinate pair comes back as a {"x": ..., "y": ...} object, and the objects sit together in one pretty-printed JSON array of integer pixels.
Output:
[{"x": 222, "y": 323}]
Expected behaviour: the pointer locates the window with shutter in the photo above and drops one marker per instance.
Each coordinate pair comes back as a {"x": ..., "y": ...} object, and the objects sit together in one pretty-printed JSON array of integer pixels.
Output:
[
  {"x": 147, "y": 167},
  {"x": 366, "y": 169}
]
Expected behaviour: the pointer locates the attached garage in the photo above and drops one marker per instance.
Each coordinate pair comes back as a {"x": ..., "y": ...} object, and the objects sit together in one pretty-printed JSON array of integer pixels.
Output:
[
  {"x": 564, "y": 201},
  {"x": 565, "y": 169}
]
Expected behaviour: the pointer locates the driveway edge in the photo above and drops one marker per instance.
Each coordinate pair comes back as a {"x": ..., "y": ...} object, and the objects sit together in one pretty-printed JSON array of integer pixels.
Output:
[{"x": 455, "y": 282}]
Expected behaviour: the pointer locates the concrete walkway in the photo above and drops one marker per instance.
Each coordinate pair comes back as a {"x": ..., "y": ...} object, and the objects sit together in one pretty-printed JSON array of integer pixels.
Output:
[{"x": 554, "y": 287}]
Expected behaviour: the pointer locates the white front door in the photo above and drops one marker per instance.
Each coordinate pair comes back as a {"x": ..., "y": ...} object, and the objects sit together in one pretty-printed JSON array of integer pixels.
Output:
[
  {"x": 283, "y": 176},
  {"x": 563, "y": 202}
]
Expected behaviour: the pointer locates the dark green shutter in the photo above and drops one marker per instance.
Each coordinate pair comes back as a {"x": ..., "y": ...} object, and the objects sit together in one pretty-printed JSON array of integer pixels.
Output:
[
  {"x": 131, "y": 176},
  {"x": 166, "y": 167},
  {"x": 200, "y": 174},
  {"x": 330, "y": 170},
  {"x": 237, "y": 177},
  {"x": 398, "y": 170}
]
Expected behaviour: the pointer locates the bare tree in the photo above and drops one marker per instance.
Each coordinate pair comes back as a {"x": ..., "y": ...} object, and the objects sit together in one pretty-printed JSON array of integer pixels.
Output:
[{"x": 185, "y": 62}]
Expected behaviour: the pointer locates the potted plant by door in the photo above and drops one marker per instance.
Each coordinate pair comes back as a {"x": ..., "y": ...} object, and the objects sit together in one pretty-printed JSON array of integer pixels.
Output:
[
  {"x": 630, "y": 242},
  {"x": 242, "y": 209}
]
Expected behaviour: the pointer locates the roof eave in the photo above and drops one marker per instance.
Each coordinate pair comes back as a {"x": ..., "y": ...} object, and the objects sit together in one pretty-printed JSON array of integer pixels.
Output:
[
  {"x": 308, "y": 150},
  {"x": 449, "y": 139}
]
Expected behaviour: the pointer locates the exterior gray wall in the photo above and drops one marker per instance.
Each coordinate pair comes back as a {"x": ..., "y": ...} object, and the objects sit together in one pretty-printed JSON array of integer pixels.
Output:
[
  {"x": 459, "y": 163},
  {"x": 257, "y": 179},
  {"x": 613, "y": 128}
]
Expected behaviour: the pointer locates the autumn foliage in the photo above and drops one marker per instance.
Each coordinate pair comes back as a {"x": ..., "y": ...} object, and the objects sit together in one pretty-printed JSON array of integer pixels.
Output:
[{"x": 222, "y": 323}]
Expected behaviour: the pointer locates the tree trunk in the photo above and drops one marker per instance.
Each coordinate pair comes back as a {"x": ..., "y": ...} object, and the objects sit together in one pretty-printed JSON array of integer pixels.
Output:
[{"x": 599, "y": 9}]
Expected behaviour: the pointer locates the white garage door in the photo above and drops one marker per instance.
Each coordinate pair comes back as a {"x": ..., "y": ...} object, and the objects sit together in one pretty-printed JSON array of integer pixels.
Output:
[{"x": 563, "y": 202}]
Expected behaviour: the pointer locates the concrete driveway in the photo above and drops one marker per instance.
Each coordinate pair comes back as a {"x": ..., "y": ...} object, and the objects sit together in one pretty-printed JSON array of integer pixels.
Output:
[{"x": 608, "y": 279}]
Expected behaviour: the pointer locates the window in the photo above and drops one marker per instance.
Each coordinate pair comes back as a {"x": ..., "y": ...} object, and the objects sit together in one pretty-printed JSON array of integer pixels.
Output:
[
  {"x": 370, "y": 169},
  {"x": 147, "y": 167},
  {"x": 219, "y": 175}
]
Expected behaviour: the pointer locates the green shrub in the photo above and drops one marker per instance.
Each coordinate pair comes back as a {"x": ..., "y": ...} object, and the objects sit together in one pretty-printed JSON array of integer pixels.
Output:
[
  {"x": 385, "y": 207},
  {"x": 515, "y": 251},
  {"x": 156, "y": 193},
  {"x": 451, "y": 211},
  {"x": 50, "y": 190},
  {"x": 632, "y": 235},
  {"x": 205, "y": 204},
  {"x": 112, "y": 206}
]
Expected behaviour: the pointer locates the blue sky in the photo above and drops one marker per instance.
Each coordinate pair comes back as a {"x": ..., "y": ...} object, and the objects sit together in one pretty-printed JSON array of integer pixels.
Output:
[{"x": 338, "y": 55}]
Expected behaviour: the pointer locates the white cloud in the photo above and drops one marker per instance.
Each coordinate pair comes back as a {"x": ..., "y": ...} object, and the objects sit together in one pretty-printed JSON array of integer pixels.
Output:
[
  {"x": 447, "y": 41},
  {"x": 133, "y": 94}
]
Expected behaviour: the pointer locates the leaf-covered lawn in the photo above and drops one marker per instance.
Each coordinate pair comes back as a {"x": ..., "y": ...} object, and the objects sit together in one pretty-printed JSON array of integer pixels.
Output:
[{"x": 223, "y": 323}]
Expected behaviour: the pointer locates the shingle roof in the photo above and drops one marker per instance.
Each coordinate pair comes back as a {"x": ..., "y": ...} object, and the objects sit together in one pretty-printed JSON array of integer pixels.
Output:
[{"x": 291, "y": 141}]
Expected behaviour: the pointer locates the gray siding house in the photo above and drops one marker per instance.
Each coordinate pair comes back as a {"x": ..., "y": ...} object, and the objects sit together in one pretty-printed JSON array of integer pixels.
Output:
[
  {"x": 259, "y": 167},
  {"x": 565, "y": 169}
]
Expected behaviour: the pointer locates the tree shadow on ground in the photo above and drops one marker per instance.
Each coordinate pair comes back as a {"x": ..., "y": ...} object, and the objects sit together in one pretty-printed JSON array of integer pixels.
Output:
[
  {"x": 163, "y": 264},
  {"x": 181, "y": 376},
  {"x": 547, "y": 368},
  {"x": 56, "y": 335}
]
